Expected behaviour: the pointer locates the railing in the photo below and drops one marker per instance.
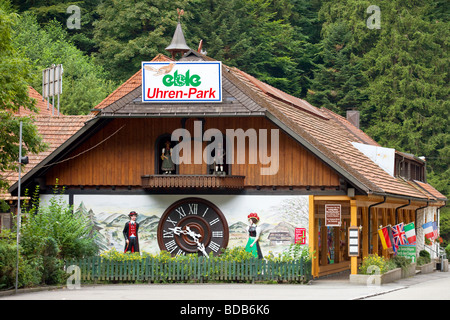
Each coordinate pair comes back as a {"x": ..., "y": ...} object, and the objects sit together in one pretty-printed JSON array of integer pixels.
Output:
[
  {"x": 192, "y": 181},
  {"x": 198, "y": 270}
]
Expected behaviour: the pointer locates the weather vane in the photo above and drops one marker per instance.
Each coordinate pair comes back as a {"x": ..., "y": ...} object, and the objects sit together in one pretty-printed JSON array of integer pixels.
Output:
[{"x": 180, "y": 13}]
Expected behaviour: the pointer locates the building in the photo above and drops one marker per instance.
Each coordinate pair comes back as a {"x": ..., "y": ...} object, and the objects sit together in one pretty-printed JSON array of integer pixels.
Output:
[{"x": 285, "y": 159}]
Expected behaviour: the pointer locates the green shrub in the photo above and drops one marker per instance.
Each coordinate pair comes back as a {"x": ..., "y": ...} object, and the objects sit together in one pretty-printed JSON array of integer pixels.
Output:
[
  {"x": 401, "y": 262},
  {"x": 374, "y": 264},
  {"x": 423, "y": 260},
  {"x": 294, "y": 252},
  {"x": 30, "y": 270},
  {"x": 424, "y": 253}
]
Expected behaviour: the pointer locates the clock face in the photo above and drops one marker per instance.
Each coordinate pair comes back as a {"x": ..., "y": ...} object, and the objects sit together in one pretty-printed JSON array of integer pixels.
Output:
[{"x": 193, "y": 225}]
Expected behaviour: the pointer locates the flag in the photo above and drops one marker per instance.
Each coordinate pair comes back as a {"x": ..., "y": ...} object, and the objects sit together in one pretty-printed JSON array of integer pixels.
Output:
[
  {"x": 410, "y": 233},
  {"x": 428, "y": 230},
  {"x": 399, "y": 234},
  {"x": 385, "y": 237},
  {"x": 435, "y": 230}
]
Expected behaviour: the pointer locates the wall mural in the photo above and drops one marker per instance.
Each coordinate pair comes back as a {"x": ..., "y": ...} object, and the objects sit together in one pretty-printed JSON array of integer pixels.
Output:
[{"x": 279, "y": 215}]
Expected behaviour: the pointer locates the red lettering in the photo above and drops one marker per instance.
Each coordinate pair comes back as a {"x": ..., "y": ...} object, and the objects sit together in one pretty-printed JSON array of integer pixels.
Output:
[{"x": 192, "y": 91}]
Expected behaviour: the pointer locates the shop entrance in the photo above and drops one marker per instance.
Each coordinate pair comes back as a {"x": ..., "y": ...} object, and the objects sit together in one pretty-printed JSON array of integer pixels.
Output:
[{"x": 332, "y": 240}]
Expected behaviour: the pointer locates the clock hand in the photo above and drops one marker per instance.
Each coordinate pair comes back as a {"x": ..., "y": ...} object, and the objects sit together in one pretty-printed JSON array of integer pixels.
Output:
[
  {"x": 196, "y": 237},
  {"x": 177, "y": 231},
  {"x": 201, "y": 247}
]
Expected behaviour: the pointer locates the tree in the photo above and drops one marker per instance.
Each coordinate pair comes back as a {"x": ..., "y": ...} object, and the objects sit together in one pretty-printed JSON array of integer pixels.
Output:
[
  {"x": 129, "y": 32},
  {"x": 84, "y": 84},
  {"x": 338, "y": 78},
  {"x": 14, "y": 79}
]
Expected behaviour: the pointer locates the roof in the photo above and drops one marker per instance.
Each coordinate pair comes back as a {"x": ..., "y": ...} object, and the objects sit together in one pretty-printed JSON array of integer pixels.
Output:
[
  {"x": 128, "y": 86},
  {"x": 429, "y": 191},
  {"x": 41, "y": 105},
  {"x": 324, "y": 133},
  {"x": 332, "y": 137},
  {"x": 55, "y": 130}
]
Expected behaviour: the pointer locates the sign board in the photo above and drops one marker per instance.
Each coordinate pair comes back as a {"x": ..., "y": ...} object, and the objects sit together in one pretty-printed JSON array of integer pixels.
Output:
[
  {"x": 300, "y": 235},
  {"x": 408, "y": 251},
  {"x": 52, "y": 81},
  {"x": 333, "y": 215},
  {"x": 190, "y": 81},
  {"x": 353, "y": 242}
]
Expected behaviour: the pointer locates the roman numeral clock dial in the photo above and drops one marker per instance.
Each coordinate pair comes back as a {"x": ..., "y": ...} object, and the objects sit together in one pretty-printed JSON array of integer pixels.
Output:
[{"x": 193, "y": 225}]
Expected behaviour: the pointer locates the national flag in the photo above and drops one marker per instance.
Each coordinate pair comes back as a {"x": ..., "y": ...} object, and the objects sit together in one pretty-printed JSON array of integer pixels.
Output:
[
  {"x": 410, "y": 231},
  {"x": 399, "y": 234},
  {"x": 385, "y": 237},
  {"x": 428, "y": 230},
  {"x": 435, "y": 230}
]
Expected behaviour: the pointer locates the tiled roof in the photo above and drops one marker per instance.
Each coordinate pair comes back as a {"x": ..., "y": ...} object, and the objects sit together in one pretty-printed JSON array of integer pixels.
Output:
[
  {"x": 128, "y": 86},
  {"x": 333, "y": 137},
  {"x": 429, "y": 191},
  {"x": 327, "y": 134},
  {"x": 55, "y": 130},
  {"x": 41, "y": 105}
]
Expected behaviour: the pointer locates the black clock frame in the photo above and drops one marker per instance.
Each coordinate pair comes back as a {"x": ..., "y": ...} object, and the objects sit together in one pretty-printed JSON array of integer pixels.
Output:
[{"x": 197, "y": 223}]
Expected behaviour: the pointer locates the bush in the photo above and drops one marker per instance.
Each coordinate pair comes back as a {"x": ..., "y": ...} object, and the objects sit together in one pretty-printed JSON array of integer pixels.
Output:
[
  {"x": 423, "y": 260},
  {"x": 294, "y": 252},
  {"x": 58, "y": 224},
  {"x": 425, "y": 254},
  {"x": 400, "y": 262},
  {"x": 30, "y": 270},
  {"x": 374, "y": 264}
]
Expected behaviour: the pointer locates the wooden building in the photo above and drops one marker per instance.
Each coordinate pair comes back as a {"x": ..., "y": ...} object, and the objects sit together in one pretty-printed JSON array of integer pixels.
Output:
[{"x": 110, "y": 163}]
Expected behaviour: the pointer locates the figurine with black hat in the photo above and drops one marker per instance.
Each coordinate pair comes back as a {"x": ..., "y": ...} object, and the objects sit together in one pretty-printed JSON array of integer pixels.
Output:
[{"x": 130, "y": 233}]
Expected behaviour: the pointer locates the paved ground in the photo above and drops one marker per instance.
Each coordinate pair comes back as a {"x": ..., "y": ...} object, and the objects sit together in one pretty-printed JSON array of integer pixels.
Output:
[{"x": 435, "y": 285}]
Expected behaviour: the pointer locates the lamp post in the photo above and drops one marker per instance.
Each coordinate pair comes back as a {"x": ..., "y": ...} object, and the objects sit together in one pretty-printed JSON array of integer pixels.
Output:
[{"x": 22, "y": 160}]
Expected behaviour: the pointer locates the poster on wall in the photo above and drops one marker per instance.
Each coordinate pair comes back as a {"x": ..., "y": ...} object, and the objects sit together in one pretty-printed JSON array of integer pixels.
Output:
[
  {"x": 333, "y": 215},
  {"x": 279, "y": 218}
]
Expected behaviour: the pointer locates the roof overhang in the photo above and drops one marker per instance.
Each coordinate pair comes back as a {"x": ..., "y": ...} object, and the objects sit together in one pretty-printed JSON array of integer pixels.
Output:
[{"x": 66, "y": 147}]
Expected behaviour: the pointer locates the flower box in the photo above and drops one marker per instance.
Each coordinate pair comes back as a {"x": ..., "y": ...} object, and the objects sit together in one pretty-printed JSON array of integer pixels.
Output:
[
  {"x": 426, "y": 268},
  {"x": 378, "y": 279},
  {"x": 410, "y": 272}
]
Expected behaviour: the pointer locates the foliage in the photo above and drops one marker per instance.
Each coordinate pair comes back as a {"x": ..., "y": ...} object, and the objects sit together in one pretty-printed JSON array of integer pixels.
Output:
[
  {"x": 425, "y": 254},
  {"x": 54, "y": 230},
  {"x": 294, "y": 252},
  {"x": 30, "y": 270},
  {"x": 14, "y": 80},
  {"x": 84, "y": 84},
  {"x": 374, "y": 264},
  {"x": 338, "y": 78},
  {"x": 423, "y": 260},
  {"x": 400, "y": 262}
]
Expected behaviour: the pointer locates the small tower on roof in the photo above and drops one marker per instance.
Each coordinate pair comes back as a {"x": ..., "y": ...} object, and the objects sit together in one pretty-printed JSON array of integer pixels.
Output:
[{"x": 178, "y": 44}]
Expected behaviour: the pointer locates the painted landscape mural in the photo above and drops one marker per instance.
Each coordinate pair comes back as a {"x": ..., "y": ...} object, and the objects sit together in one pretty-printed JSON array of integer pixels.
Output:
[{"x": 280, "y": 215}]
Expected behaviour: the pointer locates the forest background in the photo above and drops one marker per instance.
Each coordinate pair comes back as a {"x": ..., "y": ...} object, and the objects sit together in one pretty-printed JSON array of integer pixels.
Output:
[{"x": 386, "y": 58}]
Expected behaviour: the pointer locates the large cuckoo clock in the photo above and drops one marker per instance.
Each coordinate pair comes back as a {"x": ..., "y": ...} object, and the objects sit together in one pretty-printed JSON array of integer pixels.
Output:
[{"x": 193, "y": 225}]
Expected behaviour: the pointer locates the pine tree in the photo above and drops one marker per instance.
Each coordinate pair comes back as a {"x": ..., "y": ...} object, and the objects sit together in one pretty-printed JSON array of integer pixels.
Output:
[{"x": 338, "y": 78}]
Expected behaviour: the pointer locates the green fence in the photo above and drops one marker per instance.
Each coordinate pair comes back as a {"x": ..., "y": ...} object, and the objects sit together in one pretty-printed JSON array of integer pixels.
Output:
[{"x": 200, "y": 269}]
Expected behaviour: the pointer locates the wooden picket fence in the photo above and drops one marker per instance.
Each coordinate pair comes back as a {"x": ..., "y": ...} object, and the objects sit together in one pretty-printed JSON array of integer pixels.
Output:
[{"x": 201, "y": 269}]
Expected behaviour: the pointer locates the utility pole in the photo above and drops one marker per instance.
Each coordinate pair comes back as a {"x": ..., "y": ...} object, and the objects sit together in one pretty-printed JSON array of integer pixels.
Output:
[{"x": 22, "y": 160}]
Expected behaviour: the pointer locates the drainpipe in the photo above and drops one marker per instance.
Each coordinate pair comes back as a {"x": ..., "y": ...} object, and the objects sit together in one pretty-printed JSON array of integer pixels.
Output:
[
  {"x": 396, "y": 210},
  {"x": 369, "y": 222},
  {"x": 415, "y": 215}
]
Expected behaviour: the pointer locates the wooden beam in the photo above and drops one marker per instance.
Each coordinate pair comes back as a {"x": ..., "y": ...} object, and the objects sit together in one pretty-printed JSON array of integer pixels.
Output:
[
  {"x": 313, "y": 238},
  {"x": 353, "y": 223}
]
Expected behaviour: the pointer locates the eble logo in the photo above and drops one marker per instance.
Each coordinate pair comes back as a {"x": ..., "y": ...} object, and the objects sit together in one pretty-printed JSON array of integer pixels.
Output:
[{"x": 180, "y": 80}]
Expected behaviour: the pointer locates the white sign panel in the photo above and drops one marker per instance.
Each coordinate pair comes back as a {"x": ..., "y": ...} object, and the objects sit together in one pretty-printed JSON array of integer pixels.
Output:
[{"x": 190, "y": 81}]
